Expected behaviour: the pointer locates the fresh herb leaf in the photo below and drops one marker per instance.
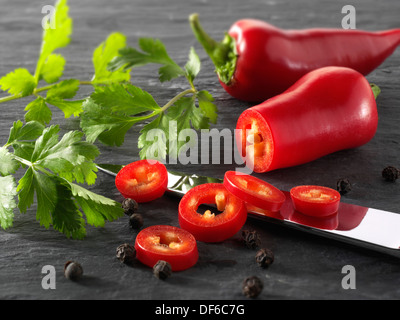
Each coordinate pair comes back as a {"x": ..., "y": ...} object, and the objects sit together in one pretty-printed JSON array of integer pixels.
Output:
[
  {"x": 111, "y": 112},
  {"x": 66, "y": 89},
  {"x": 98, "y": 122},
  {"x": 152, "y": 146},
  {"x": 54, "y": 37},
  {"x": 103, "y": 54},
  {"x": 37, "y": 110},
  {"x": 94, "y": 204},
  {"x": 18, "y": 82},
  {"x": 7, "y": 163},
  {"x": 8, "y": 191},
  {"x": 193, "y": 66},
  {"x": 70, "y": 108},
  {"x": 21, "y": 133},
  {"x": 53, "y": 166},
  {"x": 52, "y": 68},
  {"x": 153, "y": 51},
  {"x": 206, "y": 104},
  {"x": 26, "y": 191},
  {"x": 124, "y": 98}
]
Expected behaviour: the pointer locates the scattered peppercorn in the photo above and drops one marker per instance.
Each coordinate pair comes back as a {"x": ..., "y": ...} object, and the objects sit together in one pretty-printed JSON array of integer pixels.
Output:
[
  {"x": 130, "y": 206},
  {"x": 162, "y": 269},
  {"x": 343, "y": 186},
  {"x": 251, "y": 239},
  {"x": 73, "y": 270},
  {"x": 390, "y": 173},
  {"x": 126, "y": 253},
  {"x": 136, "y": 221},
  {"x": 264, "y": 257},
  {"x": 252, "y": 287}
]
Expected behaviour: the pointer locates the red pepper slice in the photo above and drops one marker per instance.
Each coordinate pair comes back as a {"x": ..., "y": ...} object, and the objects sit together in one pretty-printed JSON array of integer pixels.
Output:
[
  {"x": 327, "y": 110},
  {"x": 315, "y": 201},
  {"x": 211, "y": 227},
  {"x": 143, "y": 180},
  {"x": 174, "y": 245},
  {"x": 254, "y": 191}
]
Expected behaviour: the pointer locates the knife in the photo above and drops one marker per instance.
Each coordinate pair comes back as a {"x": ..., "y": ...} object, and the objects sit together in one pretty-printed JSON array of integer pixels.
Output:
[{"x": 365, "y": 227}]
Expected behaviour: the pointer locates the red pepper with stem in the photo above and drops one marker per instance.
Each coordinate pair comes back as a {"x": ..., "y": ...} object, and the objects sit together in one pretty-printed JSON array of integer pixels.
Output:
[
  {"x": 327, "y": 110},
  {"x": 256, "y": 61}
]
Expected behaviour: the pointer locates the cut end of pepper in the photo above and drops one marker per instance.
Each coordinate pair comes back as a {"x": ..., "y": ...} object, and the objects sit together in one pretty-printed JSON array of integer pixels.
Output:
[
  {"x": 223, "y": 54},
  {"x": 255, "y": 141}
]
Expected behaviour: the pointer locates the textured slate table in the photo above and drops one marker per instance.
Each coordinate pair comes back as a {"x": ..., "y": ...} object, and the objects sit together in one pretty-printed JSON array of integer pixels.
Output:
[{"x": 305, "y": 267}]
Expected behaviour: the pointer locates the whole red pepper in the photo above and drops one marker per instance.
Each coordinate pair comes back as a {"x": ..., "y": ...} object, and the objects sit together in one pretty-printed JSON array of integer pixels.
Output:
[
  {"x": 327, "y": 110},
  {"x": 256, "y": 60}
]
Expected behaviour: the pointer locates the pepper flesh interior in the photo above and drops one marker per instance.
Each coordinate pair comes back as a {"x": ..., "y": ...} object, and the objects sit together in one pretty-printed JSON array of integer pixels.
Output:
[
  {"x": 144, "y": 177},
  {"x": 316, "y": 195},
  {"x": 255, "y": 144},
  {"x": 220, "y": 201},
  {"x": 167, "y": 240}
]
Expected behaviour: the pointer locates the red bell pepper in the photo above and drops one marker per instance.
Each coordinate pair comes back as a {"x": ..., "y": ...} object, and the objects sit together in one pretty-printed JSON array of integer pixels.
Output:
[
  {"x": 256, "y": 60},
  {"x": 327, "y": 110}
]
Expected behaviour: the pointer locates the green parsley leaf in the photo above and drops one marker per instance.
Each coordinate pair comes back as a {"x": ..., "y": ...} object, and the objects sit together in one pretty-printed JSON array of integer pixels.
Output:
[
  {"x": 103, "y": 54},
  {"x": 99, "y": 122},
  {"x": 7, "y": 163},
  {"x": 66, "y": 89},
  {"x": 154, "y": 146},
  {"x": 20, "y": 132},
  {"x": 153, "y": 51},
  {"x": 54, "y": 164},
  {"x": 70, "y": 108},
  {"x": 193, "y": 65},
  {"x": 18, "y": 82},
  {"x": 37, "y": 110},
  {"x": 124, "y": 99},
  {"x": 206, "y": 104},
  {"x": 26, "y": 191},
  {"x": 53, "y": 68},
  {"x": 8, "y": 191},
  {"x": 21, "y": 138},
  {"x": 108, "y": 113},
  {"x": 56, "y": 37},
  {"x": 93, "y": 206},
  {"x": 69, "y": 157}
]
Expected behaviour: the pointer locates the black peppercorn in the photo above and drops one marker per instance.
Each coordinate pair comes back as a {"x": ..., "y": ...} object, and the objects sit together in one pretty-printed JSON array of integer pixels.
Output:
[
  {"x": 251, "y": 239},
  {"x": 343, "y": 186},
  {"x": 264, "y": 257},
  {"x": 390, "y": 173},
  {"x": 162, "y": 270},
  {"x": 130, "y": 206},
  {"x": 126, "y": 253},
  {"x": 136, "y": 221},
  {"x": 73, "y": 270},
  {"x": 252, "y": 287}
]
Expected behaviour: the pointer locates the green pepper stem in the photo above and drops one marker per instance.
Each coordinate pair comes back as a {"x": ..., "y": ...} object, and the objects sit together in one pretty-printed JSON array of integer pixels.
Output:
[{"x": 222, "y": 54}]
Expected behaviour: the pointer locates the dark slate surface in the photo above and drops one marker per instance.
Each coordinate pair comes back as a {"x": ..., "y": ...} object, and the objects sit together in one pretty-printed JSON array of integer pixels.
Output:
[{"x": 305, "y": 267}]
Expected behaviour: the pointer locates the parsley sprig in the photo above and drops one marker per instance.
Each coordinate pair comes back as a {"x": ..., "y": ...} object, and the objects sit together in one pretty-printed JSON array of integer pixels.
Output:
[
  {"x": 111, "y": 111},
  {"x": 52, "y": 168},
  {"x": 21, "y": 82}
]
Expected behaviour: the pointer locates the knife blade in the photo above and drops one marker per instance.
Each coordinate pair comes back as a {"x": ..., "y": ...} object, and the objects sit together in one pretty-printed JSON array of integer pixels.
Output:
[{"x": 357, "y": 225}]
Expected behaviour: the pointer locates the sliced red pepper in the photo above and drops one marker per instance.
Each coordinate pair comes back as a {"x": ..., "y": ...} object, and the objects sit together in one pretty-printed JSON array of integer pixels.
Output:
[
  {"x": 315, "y": 201},
  {"x": 328, "y": 110},
  {"x": 211, "y": 227},
  {"x": 174, "y": 245},
  {"x": 143, "y": 180},
  {"x": 254, "y": 191}
]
